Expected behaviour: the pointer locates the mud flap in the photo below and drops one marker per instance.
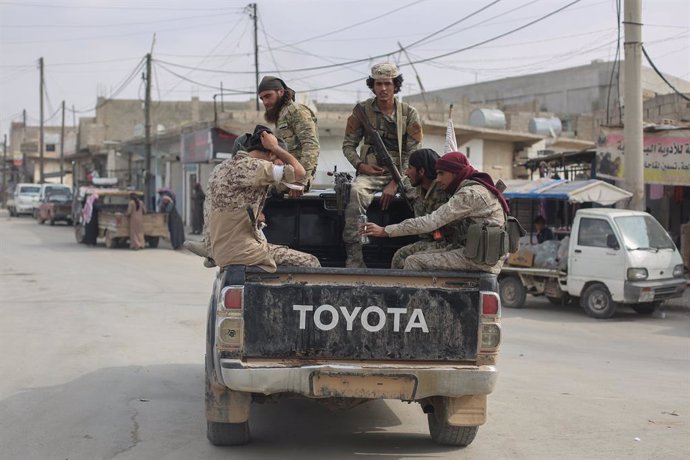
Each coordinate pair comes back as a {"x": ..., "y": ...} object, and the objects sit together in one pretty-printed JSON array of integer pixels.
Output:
[
  {"x": 226, "y": 406},
  {"x": 465, "y": 410}
]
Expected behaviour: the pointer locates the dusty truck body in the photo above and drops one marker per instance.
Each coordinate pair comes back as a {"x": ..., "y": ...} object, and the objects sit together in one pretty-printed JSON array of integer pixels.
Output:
[{"x": 345, "y": 336}]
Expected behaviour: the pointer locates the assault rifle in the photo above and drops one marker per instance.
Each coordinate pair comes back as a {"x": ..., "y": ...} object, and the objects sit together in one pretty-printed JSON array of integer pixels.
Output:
[
  {"x": 342, "y": 181},
  {"x": 382, "y": 156}
]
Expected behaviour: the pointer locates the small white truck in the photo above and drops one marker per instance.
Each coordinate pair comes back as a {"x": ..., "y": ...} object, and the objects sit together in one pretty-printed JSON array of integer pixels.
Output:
[{"x": 615, "y": 256}]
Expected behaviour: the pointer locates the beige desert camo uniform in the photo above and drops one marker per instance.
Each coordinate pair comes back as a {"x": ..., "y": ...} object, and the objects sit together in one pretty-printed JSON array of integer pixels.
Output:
[
  {"x": 364, "y": 186},
  {"x": 233, "y": 239},
  {"x": 472, "y": 203},
  {"x": 296, "y": 125},
  {"x": 423, "y": 205}
]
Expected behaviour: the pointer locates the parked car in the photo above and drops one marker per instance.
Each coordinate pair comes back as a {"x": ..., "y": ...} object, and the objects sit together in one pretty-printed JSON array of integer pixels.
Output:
[
  {"x": 47, "y": 189},
  {"x": 55, "y": 206},
  {"x": 24, "y": 199}
]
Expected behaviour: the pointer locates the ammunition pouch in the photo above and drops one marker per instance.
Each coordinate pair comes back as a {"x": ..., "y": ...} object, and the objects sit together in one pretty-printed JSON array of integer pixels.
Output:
[
  {"x": 486, "y": 243},
  {"x": 515, "y": 232}
]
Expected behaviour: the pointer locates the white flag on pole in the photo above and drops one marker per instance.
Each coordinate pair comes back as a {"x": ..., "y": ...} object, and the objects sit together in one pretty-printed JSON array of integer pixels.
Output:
[{"x": 451, "y": 142}]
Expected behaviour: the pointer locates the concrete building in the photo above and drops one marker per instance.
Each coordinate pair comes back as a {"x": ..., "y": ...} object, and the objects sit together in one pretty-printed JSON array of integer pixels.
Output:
[
  {"x": 24, "y": 150},
  {"x": 578, "y": 96}
]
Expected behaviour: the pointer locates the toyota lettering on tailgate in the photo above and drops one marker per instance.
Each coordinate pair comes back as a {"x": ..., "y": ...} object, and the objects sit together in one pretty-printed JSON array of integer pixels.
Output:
[{"x": 372, "y": 318}]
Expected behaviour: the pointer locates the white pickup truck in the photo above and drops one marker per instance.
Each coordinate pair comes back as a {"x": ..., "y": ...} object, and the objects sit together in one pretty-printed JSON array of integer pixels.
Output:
[{"x": 615, "y": 256}]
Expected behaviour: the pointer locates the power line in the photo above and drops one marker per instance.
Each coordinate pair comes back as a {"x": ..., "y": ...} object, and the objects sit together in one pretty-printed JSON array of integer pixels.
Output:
[
  {"x": 505, "y": 34},
  {"x": 356, "y": 61},
  {"x": 474, "y": 13},
  {"x": 94, "y": 7},
  {"x": 100, "y": 26},
  {"x": 182, "y": 77},
  {"x": 119, "y": 89},
  {"x": 351, "y": 26},
  {"x": 663, "y": 77}
]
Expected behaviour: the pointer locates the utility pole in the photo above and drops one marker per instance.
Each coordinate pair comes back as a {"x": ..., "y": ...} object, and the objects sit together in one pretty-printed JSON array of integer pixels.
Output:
[
  {"x": 4, "y": 169},
  {"x": 62, "y": 145},
  {"x": 74, "y": 117},
  {"x": 148, "y": 177},
  {"x": 252, "y": 14},
  {"x": 41, "y": 134},
  {"x": 419, "y": 80},
  {"x": 633, "y": 158}
]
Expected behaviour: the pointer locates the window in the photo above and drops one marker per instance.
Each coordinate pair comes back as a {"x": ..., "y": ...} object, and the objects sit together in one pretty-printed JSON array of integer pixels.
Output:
[
  {"x": 50, "y": 147},
  {"x": 593, "y": 232}
]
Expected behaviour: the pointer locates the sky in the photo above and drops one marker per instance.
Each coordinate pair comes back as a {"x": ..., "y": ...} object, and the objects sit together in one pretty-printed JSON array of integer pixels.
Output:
[{"x": 323, "y": 49}]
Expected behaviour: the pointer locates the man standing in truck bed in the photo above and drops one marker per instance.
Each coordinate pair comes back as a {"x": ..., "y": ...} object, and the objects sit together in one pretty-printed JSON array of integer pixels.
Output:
[
  {"x": 476, "y": 205},
  {"x": 400, "y": 128},
  {"x": 295, "y": 124},
  {"x": 237, "y": 192}
]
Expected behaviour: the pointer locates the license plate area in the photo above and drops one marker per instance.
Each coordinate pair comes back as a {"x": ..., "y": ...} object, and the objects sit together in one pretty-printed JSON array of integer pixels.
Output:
[{"x": 345, "y": 385}]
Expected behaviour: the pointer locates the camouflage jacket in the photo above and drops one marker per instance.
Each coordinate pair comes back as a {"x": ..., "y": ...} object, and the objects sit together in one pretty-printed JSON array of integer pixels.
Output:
[
  {"x": 387, "y": 127},
  {"x": 234, "y": 185},
  {"x": 471, "y": 203},
  {"x": 296, "y": 125},
  {"x": 427, "y": 202}
]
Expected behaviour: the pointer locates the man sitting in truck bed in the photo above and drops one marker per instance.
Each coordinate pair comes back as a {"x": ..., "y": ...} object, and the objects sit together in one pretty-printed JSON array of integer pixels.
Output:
[
  {"x": 429, "y": 196},
  {"x": 476, "y": 204},
  {"x": 237, "y": 192}
]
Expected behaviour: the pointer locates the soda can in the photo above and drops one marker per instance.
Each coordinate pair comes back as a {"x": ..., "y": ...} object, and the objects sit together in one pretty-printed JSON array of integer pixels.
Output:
[{"x": 363, "y": 239}]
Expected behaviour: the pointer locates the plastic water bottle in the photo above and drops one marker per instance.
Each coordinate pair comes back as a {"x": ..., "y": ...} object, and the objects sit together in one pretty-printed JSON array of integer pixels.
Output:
[{"x": 363, "y": 239}]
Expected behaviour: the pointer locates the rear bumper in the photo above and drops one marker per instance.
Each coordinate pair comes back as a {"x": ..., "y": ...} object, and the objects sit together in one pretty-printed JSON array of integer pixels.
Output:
[
  {"x": 661, "y": 289},
  {"x": 360, "y": 381}
]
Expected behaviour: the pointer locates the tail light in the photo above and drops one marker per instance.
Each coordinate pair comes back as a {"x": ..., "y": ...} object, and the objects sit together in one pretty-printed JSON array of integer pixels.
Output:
[
  {"x": 489, "y": 327},
  {"x": 490, "y": 303},
  {"x": 233, "y": 297}
]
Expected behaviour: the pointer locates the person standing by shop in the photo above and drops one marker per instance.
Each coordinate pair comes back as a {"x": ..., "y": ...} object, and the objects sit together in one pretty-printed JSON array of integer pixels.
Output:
[
  {"x": 175, "y": 225},
  {"x": 198, "y": 198}
]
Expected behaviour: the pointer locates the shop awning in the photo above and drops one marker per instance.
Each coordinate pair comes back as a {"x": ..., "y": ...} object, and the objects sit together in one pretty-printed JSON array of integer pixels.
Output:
[{"x": 573, "y": 191}]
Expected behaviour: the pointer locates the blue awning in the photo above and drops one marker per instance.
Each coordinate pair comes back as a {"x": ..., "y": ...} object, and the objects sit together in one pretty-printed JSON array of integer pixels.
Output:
[{"x": 573, "y": 191}]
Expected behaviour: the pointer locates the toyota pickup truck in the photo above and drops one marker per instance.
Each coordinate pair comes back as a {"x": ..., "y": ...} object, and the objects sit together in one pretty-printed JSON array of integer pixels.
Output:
[{"x": 346, "y": 336}]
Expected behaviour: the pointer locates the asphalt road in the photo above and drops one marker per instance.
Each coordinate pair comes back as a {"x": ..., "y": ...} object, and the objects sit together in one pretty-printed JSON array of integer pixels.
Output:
[{"x": 102, "y": 357}]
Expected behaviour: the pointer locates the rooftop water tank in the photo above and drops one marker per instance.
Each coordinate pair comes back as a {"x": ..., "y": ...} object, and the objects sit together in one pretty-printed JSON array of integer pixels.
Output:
[
  {"x": 549, "y": 127},
  {"x": 488, "y": 118}
]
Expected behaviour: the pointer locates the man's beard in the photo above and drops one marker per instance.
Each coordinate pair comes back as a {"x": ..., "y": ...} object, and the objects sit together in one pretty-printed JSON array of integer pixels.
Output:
[{"x": 271, "y": 115}]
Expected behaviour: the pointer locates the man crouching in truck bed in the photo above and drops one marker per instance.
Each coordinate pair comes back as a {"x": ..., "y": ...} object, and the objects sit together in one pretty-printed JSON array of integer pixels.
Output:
[
  {"x": 237, "y": 192},
  {"x": 480, "y": 208}
]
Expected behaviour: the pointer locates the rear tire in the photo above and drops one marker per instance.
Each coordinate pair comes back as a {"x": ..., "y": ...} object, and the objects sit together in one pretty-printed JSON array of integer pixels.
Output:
[
  {"x": 153, "y": 241},
  {"x": 448, "y": 435},
  {"x": 52, "y": 221},
  {"x": 597, "y": 303},
  {"x": 512, "y": 292}
]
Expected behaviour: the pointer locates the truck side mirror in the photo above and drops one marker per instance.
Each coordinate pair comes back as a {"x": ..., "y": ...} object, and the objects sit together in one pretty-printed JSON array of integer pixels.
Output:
[{"x": 612, "y": 242}]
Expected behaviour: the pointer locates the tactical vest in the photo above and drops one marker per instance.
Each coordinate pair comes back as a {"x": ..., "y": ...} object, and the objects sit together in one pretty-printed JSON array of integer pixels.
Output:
[
  {"x": 389, "y": 134},
  {"x": 483, "y": 242}
]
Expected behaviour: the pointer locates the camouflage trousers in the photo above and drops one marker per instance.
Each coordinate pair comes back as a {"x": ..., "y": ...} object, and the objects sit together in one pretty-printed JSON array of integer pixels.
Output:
[
  {"x": 285, "y": 256},
  {"x": 418, "y": 246},
  {"x": 362, "y": 192},
  {"x": 448, "y": 259}
]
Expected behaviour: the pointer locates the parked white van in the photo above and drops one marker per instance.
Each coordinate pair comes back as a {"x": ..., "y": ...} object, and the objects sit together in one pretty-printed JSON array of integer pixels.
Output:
[{"x": 24, "y": 199}]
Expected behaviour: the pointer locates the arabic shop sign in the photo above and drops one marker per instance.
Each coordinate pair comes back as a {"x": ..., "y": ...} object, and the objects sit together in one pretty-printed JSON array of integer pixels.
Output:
[{"x": 666, "y": 156}]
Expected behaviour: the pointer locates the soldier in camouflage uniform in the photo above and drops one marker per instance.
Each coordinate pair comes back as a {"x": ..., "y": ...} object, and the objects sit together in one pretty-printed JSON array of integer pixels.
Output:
[
  {"x": 295, "y": 124},
  {"x": 428, "y": 196},
  {"x": 400, "y": 128},
  {"x": 232, "y": 236},
  {"x": 475, "y": 200}
]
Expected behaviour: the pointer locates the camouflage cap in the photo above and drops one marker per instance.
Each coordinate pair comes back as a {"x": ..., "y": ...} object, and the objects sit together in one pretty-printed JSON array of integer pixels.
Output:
[{"x": 384, "y": 70}]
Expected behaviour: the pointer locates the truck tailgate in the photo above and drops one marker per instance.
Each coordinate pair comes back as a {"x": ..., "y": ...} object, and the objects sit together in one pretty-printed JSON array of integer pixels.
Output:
[{"x": 338, "y": 315}]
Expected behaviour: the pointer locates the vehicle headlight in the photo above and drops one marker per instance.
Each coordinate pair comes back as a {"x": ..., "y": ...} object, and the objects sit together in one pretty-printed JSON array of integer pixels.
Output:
[
  {"x": 678, "y": 271},
  {"x": 637, "y": 274}
]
